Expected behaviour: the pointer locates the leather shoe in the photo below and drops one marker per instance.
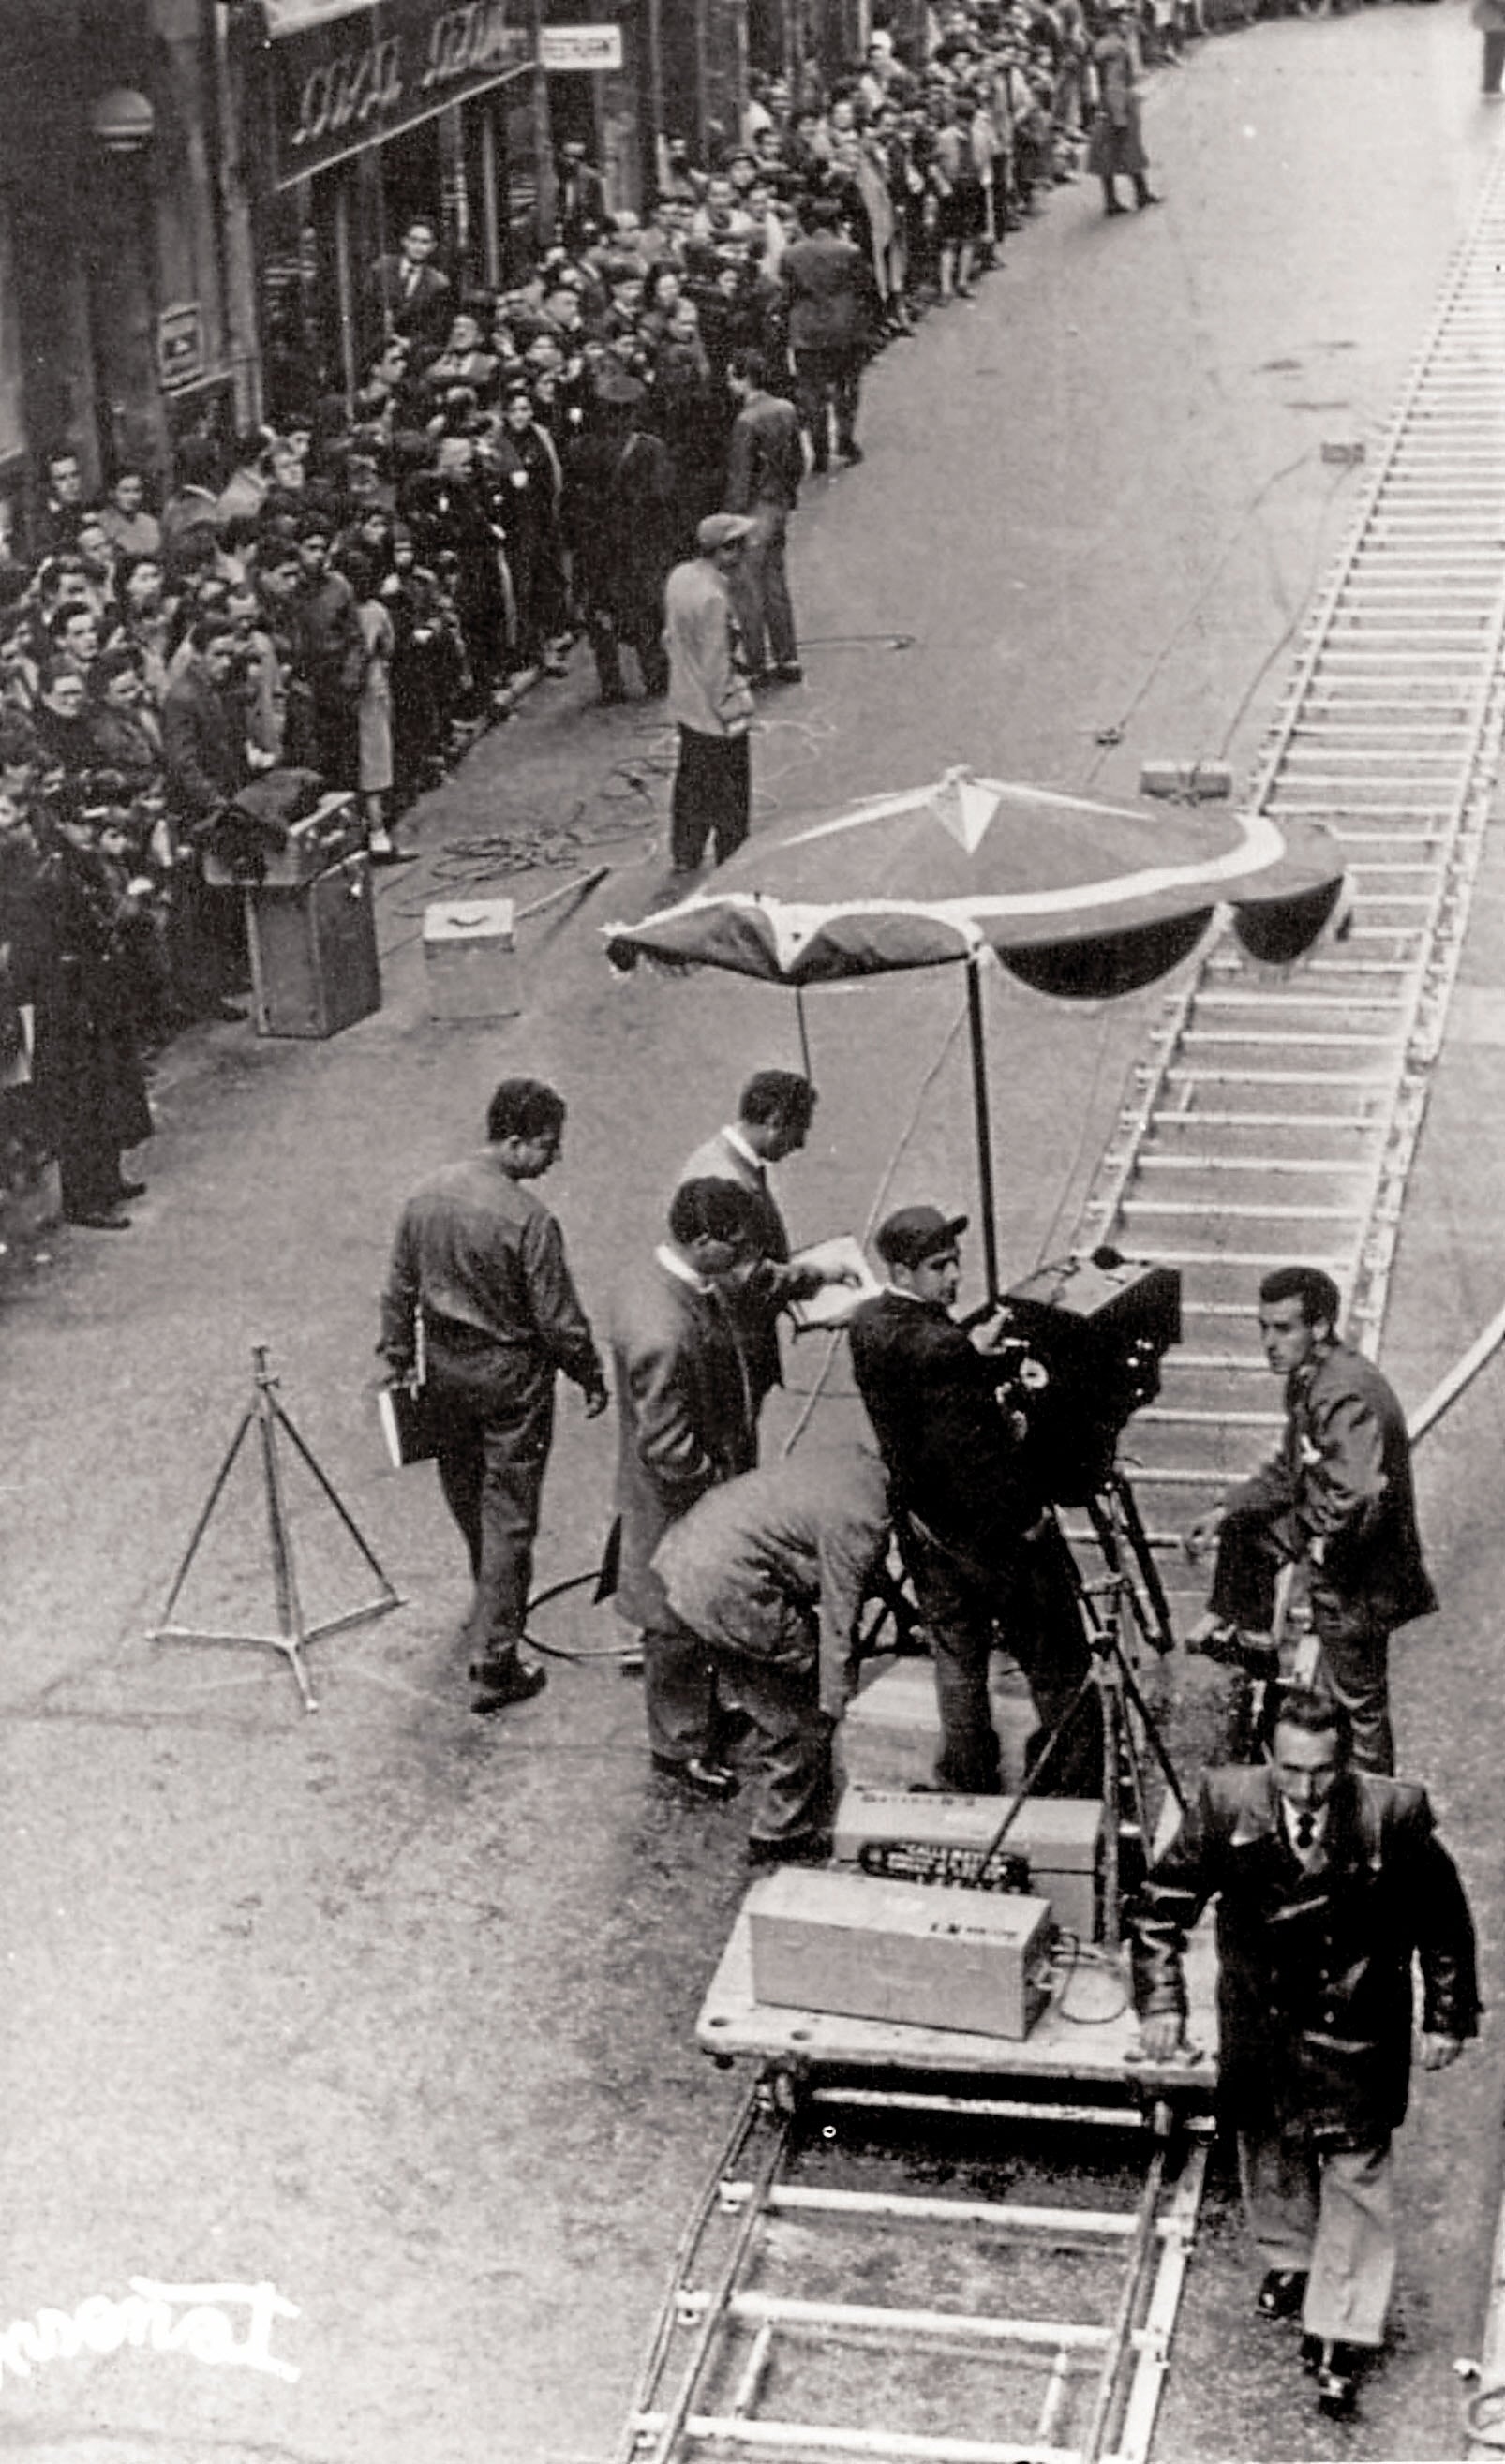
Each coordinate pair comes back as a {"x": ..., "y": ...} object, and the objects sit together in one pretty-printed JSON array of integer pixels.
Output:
[
  {"x": 850, "y": 453},
  {"x": 1338, "y": 2380},
  {"x": 799, "y": 1848},
  {"x": 103, "y": 1222},
  {"x": 505, "y": 1681},
  {"x": 700, "y": 1778},
  {"x": 790, "y": 673},
  {"x": 1282, "y": 2292},
  {"x": 130, "y": 1189}
]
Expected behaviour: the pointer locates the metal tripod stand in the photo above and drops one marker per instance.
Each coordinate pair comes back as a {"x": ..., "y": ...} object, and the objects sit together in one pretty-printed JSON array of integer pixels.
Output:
[
  {"x": 1127, "y": 1594},
  {"x": 266, "y": 1414}
]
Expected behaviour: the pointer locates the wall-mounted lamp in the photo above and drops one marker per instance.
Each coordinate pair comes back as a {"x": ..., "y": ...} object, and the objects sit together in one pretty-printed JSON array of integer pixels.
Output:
[{"x": 123, "y": 121}]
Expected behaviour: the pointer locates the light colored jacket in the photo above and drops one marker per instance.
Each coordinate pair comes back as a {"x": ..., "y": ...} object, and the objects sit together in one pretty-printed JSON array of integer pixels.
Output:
[{"x": 708, "y": 687}]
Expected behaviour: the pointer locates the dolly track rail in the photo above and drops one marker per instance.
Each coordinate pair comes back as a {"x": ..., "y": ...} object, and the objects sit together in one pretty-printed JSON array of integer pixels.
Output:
[
  {"x": 730, "y": 2343},
  {"x": 1279, "y": 1118}
]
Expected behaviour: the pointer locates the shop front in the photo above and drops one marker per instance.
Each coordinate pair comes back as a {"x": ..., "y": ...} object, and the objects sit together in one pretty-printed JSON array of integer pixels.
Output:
[{"x": 374, "y": 114}]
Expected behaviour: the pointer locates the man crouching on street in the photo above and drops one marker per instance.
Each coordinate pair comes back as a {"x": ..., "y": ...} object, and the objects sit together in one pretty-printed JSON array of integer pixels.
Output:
[
  {"x": 771, "y": 1572},
  {"x": 1329, "y": 1882}
]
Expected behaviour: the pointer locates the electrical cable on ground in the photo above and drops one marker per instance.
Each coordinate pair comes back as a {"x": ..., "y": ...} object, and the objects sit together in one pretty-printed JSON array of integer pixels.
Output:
[{"x": 1113, "y": 733}]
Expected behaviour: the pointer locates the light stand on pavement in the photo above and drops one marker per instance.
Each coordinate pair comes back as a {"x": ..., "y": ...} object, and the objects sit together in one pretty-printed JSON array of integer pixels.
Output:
[{"x": 267, "y": 1415}]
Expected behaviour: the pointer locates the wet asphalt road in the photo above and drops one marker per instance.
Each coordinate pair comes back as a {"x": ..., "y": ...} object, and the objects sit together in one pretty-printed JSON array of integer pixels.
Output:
[{"x": 395, "y": 2012}]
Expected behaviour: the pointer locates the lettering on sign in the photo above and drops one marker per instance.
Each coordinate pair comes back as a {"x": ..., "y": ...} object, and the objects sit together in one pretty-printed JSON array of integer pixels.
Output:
[
  {"x": 344, "y": 91},
  {"x": 348, "y": 82},
  {"x": 199, "y": 2319},
  {"x": 470, "y": 41},
  {"x": 592, "y": 47}
]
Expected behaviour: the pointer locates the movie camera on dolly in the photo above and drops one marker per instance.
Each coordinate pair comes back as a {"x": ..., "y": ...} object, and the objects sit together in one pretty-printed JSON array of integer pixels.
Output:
[{"x": 1079, "y": 1345}]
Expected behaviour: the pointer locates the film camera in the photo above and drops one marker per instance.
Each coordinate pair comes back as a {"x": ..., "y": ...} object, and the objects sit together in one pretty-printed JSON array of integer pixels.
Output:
[{"x": 1081, "y": 1344}]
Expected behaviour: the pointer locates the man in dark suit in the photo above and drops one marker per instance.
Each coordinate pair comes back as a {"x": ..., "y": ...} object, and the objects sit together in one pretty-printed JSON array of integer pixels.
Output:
[
  {"x": 829, "y": 289},
  {"x": 974, "y": 1529},
  {"x": 686, "y": 1420},
  {"x": 774, "y": 1112},
  {"x": 764, "y": 467},
  {"x": 1329, "y": 1881},
  {"x": 579, "y": 199},
  {"x": 206, "y": 767},
  {"x": 1336, "y": 1501},
  {"x": 407, "y": 294}
]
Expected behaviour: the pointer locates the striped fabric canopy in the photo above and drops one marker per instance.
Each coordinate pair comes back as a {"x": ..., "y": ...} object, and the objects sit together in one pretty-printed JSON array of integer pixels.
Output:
[{"x": 1077, "y": 898}]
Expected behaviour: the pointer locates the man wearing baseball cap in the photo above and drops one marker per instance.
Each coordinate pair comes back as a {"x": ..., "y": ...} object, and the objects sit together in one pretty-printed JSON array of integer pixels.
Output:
[
  {"x": 980, "y": 1547},
  {"x": 710, "y": 699}
]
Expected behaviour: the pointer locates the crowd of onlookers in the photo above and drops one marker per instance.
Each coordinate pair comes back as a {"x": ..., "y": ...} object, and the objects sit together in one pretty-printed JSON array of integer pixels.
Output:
[{"x": 358, "y": 586}]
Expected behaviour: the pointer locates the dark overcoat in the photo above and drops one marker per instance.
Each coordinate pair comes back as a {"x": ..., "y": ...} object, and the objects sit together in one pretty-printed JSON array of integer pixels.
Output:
[{"x": 1314, "y": 1968}]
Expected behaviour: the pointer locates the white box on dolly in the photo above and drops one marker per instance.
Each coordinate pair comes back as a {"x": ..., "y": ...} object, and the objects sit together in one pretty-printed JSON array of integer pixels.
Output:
[
  {"x": 1059, "y": 1837},
  {"x": 891, "y": 1734},
  {"x": 969, "y": 1960}
]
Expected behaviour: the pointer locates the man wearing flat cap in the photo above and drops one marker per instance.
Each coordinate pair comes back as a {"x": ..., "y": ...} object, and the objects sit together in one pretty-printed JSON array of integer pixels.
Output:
[
  {"x": 983, "y": 1550},
  {"x": 710, "y": 699}
]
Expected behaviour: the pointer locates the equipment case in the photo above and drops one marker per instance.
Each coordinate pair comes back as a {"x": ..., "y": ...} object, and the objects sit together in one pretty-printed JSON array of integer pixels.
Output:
[{"x": 314, "y": 966}]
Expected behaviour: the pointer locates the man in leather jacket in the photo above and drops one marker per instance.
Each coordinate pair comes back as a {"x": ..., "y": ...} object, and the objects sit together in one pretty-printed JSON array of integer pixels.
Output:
[{"x": 1331, "y": 1883}]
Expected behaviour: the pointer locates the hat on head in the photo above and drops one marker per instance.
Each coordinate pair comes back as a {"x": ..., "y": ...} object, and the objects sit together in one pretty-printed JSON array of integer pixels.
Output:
[
  {"x": 914, "y": 1234},
  {"x": 719, "y": 530}
]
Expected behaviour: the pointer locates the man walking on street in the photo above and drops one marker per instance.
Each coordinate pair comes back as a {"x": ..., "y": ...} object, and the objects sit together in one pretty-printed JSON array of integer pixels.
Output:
[
  {"x": 771, "y": 1572},
  {"x": 709, "y": 698},
  {"x": 1337, "y": 1500},
  {"x": 686, "y": 1423},
  {"x": 829, "y": 287},
  {"x": 1330, "y": 1882},
  {"x": 480, "y": 1293},
  {"x": 763, "y": 481}
]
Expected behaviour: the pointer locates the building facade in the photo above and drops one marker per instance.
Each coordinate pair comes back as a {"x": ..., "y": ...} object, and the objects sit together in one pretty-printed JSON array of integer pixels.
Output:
[{"x": 195, "y": 193}]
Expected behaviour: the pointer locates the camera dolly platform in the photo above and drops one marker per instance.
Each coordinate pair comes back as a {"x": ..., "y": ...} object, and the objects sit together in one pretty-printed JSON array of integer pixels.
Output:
[{"x": 932, "y": 2244}]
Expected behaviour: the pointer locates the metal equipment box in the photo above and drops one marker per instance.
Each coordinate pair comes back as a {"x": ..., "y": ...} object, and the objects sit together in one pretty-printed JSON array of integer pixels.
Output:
[
  {"x": 314, "y": 967},
  {"x": 1061, "y": 1838},
  {"x": 891, "y": 1734},
  {"x": 468, "y": 958},
  {"x": 898, "y": 1950}
]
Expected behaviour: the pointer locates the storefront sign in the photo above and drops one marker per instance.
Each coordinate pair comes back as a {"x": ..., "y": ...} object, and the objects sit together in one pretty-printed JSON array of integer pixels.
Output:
[
  {"x": 180, "y": 345},
  {"x": 595, "y": 48},
  {"x": 348, "y": 83},
  {"x": 291, "y": 16}
]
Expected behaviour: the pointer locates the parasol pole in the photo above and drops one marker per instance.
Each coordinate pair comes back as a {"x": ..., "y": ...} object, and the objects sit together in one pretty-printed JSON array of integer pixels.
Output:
[
  {"x": 984, "y": 1134},
  {"x": 805, "y": 1034}
]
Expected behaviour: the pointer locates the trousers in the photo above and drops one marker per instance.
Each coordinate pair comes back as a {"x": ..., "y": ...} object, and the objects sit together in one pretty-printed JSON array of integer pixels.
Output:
[
  {"x": 491, "y": 1470},
  {"x": 792, "y": 1795},
  {"x": 608, "y": 638},
  {"x": 763, "y": 605},
  {"x": 711, "y": 797},
  {"x": 1353, "y": 1656},
  {"x": 826, "y": 381},
  {"x": 1029, "y": 1595},
  {"x": 679, "y": 1693},
  {"x": 1331, "y": 2216}
]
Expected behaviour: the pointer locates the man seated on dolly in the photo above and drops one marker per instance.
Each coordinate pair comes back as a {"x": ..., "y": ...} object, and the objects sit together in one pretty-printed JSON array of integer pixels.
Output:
[{"x": 982, "y": 1547}]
